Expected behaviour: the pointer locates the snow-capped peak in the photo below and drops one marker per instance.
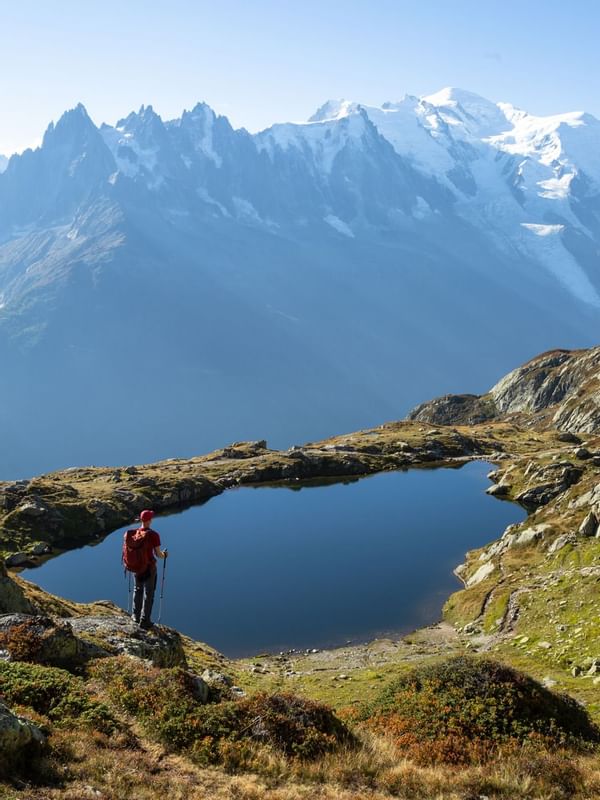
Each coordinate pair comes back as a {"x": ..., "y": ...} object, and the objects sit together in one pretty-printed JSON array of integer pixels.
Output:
[
  {"x": 468, "y": 112},
  {"x": 566, "y": 143},
  {"x": 334, "y": 109},
  {"x": 452, "y": 96}
]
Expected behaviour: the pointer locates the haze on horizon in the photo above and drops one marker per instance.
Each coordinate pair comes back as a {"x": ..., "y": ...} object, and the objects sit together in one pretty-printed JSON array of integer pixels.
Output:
[{"x": 264, "y": 62}]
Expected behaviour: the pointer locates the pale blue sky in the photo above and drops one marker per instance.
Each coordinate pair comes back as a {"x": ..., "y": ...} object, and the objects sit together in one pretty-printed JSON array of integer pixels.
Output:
[{"x": 262, "y": 61}]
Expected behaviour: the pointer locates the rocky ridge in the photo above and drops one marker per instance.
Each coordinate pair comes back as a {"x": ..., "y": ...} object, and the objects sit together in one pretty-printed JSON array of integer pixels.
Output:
[{"x": 559, "y": 389}]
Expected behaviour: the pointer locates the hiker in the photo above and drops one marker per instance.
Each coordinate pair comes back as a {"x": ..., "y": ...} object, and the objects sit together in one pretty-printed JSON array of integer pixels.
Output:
[{"x": 141, "y": 547}]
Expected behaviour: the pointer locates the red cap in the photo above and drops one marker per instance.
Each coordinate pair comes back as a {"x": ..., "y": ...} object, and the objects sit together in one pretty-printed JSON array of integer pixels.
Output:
[{"x": 146, "y": 515}]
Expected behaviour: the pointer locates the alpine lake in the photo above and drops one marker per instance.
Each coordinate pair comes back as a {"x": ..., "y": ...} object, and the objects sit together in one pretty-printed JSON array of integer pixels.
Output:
[{"x": 308, "y": 565}]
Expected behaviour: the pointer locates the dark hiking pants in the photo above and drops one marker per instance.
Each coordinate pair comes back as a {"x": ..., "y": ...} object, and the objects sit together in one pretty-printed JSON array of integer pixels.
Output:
[{"x": 143, "y": 596}]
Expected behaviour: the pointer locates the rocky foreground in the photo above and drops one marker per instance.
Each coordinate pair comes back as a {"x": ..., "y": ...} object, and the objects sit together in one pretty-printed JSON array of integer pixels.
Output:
[{"x": 530, "y": 598}]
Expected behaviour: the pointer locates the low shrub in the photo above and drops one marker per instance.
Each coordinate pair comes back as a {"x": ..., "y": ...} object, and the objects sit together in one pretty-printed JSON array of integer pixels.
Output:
[
  {"x": 294, "y": 725},
  {"x": 165, "y": 702},
  {"x": 460, "y": 711},
  {"x": 61, "y": 697},
  {"x": 22, "y": 641}
]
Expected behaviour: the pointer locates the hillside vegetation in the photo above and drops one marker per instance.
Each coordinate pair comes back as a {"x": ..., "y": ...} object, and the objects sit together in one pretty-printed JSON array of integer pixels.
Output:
[{"x": 500, "y": 700}]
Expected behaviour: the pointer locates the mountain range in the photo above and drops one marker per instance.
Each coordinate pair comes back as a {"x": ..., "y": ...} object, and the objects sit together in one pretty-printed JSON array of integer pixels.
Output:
[{"x": 169, "y": 285}]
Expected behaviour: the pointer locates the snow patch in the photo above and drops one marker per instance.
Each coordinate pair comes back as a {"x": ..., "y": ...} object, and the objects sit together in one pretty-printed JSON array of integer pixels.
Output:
[
  {"x": 542, "y": 230},
  {"x": 131, "y": 158},
  {"x": 544, "y": 243},
  {"x": 245, "y": 209},
  {"x": 339, "y": 225},
  {"x": 422, "y": 208},
  {"x": 204, "y": 195},
  {"x": 556, "y": 188}
]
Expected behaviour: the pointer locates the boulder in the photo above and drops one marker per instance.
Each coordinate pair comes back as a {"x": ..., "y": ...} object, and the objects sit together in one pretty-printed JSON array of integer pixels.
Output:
[
  {"x": 566, "y": 436},
  {"x": 589, "y": 526},
  {"x": 18, "y": 559},
  {"x": 41, "y": 549},
  {"x": 589, "y": 498},
  {"x": 216, "y": 679},
  {"x": 201, "y": 689},
  {"x": 530, "y": 535},
  {"x": 561, "y": 541},
  {"x": 19, "y": 739},
  {"x": 582, "y": 453},
  {"x": 498, "y": 490},
  {"x": 484, "y": 571}
]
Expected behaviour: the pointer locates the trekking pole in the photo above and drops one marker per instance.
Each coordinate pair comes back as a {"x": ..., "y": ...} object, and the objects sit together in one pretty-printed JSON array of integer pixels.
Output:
[
  {"x": 162, "y": 586},
  {"x": 129, "y": 604}
]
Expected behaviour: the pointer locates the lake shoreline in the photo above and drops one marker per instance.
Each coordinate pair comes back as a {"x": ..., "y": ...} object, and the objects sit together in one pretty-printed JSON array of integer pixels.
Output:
[{"x": 65, "y": 509}]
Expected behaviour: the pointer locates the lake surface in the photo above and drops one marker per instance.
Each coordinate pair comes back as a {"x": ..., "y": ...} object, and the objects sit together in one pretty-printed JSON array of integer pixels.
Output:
[{"x": 271, "y": 568}]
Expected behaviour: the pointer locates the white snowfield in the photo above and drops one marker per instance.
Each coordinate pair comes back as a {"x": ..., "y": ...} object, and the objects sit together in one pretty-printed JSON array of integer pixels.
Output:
[{"x": 509, "y": 170}]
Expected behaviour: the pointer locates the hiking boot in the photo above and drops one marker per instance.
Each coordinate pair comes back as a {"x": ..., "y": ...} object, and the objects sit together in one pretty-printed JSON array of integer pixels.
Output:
[
  {"x": 146, "y": 625},
  {"x": 134, "y": 620}
]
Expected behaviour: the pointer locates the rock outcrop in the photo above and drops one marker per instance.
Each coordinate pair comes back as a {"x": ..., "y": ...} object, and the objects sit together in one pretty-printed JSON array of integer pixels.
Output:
[
  {"x": 559, "y": 389},
  {"x": 119, "y": 635},
  {"x": 456, "y": 409},
  {"x": 71, "y": 642}
]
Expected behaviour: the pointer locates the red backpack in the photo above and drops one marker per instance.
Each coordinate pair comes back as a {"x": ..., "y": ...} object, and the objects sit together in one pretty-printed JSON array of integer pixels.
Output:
[{"x": 137, "y": 554}]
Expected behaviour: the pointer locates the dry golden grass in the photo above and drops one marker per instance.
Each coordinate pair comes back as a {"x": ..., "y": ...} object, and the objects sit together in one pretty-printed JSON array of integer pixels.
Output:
[{"x": 100, "y": 768}]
